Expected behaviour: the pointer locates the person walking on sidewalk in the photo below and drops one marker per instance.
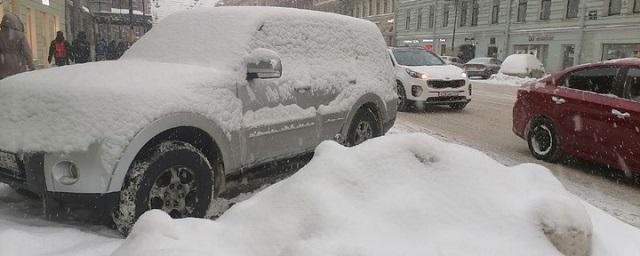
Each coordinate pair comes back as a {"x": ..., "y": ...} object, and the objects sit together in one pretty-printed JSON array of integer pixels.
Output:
[
  {"x": 81, "y": 48},
  {"x": 60, "y": 49},
  {"x": 15, "y": 52},
  {"x": 101, "y": 50}
]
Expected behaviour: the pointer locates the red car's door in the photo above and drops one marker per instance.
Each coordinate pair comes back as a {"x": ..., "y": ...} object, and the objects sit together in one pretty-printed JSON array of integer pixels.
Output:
[
  {"x": 627, "y": 116},
  {"x": 584, "y": 101}
]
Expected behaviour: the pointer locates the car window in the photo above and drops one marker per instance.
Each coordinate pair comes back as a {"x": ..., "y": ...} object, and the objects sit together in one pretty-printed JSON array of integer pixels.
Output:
[
  {"x": 416, "y": 57},
  {"x": 599, "y": 80},
  {"x": 632, "y": 84}
]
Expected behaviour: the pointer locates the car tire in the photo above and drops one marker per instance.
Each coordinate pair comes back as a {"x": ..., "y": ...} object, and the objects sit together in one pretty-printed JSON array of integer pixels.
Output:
[
  {"x": 543, "y": 141},
  {"x": 173, "y": 176},
  {"x": 364, "y": 126},
  {"x": 458, "y": 106},
  {"x": 403, "y": 103}
]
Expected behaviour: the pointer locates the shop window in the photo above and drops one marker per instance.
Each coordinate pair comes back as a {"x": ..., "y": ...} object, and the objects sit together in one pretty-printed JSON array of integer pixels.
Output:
[
  {"x": 545, "y": 9},
  {"x": 443, "y": 49},
  {"x": 407, "y": 21},
  {"x": 522, "y": 10},
  {"x": 464, "y": 5},
  {"x": 614, "y": 7},
  {"x": 572, "y": 8},
  {"x": 568, "y": 53},
  {"x": 618, "y": 51},
  {"x": 445, "y": 15},
  {"x": 495, "y": 12},
  {"x": 432, "y": 15},
  {"x": 419, "y": 26},
  {"x": 475, "y": 8},
  {"x": 492, "y": 51}
]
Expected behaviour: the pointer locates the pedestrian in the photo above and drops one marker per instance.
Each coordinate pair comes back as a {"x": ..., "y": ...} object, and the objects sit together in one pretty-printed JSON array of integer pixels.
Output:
[
  {"x": 60, "y": 50},
  {"x": 15, "y": 53},
  {"x": 81, "y": 48},
  {"x": 122, "y": 47},
  {"x": 101, "y": 50},
  {"x": 112, "y": 50}
]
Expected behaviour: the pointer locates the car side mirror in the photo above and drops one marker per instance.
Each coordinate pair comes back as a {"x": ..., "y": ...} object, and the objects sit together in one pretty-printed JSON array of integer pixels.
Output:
[{"x": 263, "y": 64}]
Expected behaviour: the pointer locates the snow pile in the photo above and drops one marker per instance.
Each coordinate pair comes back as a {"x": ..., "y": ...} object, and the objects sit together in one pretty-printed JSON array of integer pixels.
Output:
[
  {"x": 502, "y": 79},
  {"x": 520, "y": 64},
  {"x": 396, "y": 195}
]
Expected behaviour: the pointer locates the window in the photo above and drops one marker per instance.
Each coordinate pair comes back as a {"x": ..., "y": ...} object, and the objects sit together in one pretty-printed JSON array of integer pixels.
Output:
[
  {"x": 419, "y": 26},
  {"x": 522, "y": 10},
  {"x": 633, "y": 84},
  {"x": 370, "y": 7},
  {"x": 407, "y": 20},
  {"x": 445, "y": 15},
  {"x": 545, "y": 9},
  {"x": 432, "y": 13},
  {"x": 598, "y": 80},
  {"x": 463, "y": 13},
  {"x": 572, "y": 8},
  {"x": 443, "y": 49},
  {"x": 636, "y": 6},
  {"x": 495, "y": 12},
  {"x": 378, "y": 11},
  {"x": 614, "y": 7},
  {"x": 618, "y": 51},
  {"x": 475, "y": 9},
  {"x": 356, "y": 12},
  {"x": 386, "y": 5}
]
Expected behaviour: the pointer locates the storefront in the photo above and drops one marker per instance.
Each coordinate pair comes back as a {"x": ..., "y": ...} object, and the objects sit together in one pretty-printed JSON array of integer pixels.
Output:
[{"x": 617, "y": 51}]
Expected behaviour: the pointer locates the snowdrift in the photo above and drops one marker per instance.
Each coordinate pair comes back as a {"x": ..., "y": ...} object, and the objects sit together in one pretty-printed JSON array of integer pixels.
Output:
[{"x": 397, "y": 195}]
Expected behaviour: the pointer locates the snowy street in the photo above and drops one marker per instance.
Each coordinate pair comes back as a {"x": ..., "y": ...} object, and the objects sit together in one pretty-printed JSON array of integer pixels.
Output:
[{"x": 486, "y": 125}]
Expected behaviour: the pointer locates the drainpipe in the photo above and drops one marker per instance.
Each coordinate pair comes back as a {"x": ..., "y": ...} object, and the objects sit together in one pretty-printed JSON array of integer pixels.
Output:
[
  {"x": 507, "y": 30},
  {"x": 455, "y": 24},
  {"x": 436, "y": 45},
  {"x": 577, "y": 56}
]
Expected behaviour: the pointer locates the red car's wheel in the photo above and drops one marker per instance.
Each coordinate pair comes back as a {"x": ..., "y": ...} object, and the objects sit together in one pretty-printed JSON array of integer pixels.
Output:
[{"x": 543, "y": 141}]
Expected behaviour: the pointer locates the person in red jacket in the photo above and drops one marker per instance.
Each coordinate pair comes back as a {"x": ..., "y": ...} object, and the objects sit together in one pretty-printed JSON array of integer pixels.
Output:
[{"x": 60, "y": 49}]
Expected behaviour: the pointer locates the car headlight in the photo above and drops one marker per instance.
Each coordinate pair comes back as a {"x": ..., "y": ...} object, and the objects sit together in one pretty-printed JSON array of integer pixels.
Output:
[
  {"x": 65, "y": 172},
  {"x": 415, "y": 74}
]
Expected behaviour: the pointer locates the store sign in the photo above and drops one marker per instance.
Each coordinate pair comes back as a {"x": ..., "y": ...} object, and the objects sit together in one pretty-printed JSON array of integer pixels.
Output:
[
  {"x": 45, "y": 2},
  {"x": 542, "y": 37}
]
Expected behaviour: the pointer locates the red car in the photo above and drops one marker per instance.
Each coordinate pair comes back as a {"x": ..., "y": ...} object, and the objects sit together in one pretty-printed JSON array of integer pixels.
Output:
[{"x": 588, "y": 111}]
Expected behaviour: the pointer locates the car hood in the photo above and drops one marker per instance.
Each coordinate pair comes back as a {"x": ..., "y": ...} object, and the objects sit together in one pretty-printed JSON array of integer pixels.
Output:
[
  {"x": 443, "y": 72},
  {"x": 69, "y": 108}
]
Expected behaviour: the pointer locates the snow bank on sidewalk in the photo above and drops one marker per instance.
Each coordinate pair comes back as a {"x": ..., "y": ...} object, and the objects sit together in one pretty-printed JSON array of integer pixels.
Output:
[
  {"x": 397, "y": 195},
  {"x": 502, "y": 79}
]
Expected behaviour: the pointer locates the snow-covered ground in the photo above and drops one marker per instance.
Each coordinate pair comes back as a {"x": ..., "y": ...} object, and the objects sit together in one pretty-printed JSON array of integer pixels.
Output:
[
  {"x": 406, "y": 194},
  {"x": 502, "y": 79}
]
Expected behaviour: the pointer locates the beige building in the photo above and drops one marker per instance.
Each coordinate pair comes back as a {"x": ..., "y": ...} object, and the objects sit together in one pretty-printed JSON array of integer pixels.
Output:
[
  {"x": 380, "y": 12},
  {"x": 41, "y": 18}
]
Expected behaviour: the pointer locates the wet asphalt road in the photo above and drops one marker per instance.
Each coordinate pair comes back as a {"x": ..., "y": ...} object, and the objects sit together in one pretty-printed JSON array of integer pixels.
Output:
[{"x": 486, "y": 125}]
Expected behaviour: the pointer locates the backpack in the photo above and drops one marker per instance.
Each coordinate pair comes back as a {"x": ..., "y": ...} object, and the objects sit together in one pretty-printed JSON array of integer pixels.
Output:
[{"x": 60, "y": 49}]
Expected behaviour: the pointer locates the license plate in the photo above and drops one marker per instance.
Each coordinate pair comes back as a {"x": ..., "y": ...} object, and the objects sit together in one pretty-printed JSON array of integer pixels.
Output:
[
  {"x": 8, "y": 161},
  {"x": 448, "y": 94}
]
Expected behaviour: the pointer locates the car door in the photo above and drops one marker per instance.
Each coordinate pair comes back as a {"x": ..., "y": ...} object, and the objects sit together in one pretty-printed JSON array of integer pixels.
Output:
[
  {"x": 274, "y": 124},
  {"x": 627, "y": 116},
  {"x": 583, "y": 104}
]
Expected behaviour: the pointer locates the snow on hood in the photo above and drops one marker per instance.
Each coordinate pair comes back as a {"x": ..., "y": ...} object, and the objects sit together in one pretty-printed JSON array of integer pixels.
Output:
[
  {"x": 68, "y": 108},
  {"x": 439, "y": 71},
  {"x": 395, "y": 195}
]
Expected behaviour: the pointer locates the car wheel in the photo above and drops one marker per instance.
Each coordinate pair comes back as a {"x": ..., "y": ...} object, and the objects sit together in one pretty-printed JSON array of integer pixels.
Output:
[
  {"x": 364, "y": 126},
  {"x": 403, "y": 103},
  {"x": 174, "y": 177},
  {"x": 543, "y": 141},
  {"x": 458, "y": 106}
]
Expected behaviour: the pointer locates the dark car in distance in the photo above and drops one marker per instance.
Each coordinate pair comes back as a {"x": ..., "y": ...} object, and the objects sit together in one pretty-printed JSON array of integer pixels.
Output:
[
  {"x": 589, "y": 111},
  {"x": 483, "y": 67}
]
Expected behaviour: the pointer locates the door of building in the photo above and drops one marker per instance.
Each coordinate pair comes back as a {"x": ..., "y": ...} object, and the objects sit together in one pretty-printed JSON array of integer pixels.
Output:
[{"x": 567, "y": 55}]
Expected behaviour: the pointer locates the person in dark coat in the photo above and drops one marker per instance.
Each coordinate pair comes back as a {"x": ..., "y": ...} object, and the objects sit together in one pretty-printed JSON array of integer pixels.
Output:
[
  {"x": 15, "y": 53},
  {"x": 122, "y": 47},
  {"x": 101, "y": 50},
  {"x": 60, "y": 50},
  {"x": 112, "y": 50},
  {"x": 81, "y": 48}
]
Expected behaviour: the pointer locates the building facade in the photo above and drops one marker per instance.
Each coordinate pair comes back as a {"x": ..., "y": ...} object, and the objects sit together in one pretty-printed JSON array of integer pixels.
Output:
[
  {"x": 380, "y": 12},
  {"x": 560, "y": 33},
  {"x": 41, "y": 18},
  {"x": 113, "y": 20}
]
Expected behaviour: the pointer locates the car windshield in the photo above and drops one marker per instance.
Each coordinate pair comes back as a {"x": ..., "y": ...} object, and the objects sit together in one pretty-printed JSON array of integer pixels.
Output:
[{"x": 416, "y": 57}]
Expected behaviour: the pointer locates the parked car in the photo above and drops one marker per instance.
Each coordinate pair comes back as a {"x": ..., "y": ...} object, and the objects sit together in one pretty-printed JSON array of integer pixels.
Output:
[
  {"x": 483, "y": 67},
  {"x": 423, "y": 78},
  {"x": 452, "y": 61},
  {"x": 589, "y": 111},
  {"x": 170, "y": 123},
  {"x": 522, "y": 65}
]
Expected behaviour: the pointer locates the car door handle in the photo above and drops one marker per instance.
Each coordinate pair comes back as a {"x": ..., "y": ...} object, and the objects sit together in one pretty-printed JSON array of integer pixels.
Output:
[
  {"x": 621, "y": 115},
  {"x": 558, "y": 100}
]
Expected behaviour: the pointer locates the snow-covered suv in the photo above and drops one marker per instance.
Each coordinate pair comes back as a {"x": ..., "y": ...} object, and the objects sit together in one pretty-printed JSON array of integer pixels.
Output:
[
  {"x": 423, "y": 78},
  {"x": 204, "y": 96}
]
